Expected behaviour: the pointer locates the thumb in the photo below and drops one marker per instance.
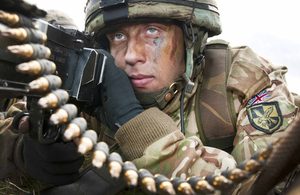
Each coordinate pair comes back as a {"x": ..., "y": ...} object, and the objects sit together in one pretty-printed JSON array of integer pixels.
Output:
[{"x": 24, "y": 125}]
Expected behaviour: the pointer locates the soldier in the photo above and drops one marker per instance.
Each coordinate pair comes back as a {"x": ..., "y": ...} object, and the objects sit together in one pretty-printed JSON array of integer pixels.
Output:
[
  {"x": 174, "y": 98},
  {"x": 239, "y": 101}
]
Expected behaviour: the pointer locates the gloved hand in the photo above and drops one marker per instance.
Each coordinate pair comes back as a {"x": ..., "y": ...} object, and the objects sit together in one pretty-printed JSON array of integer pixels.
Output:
[
  {"x": 57, "y": 163},
  {"x": 118, "y": 102}
]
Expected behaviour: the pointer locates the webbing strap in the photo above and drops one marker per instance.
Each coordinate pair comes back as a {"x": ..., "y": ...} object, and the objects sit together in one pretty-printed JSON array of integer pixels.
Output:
[{"x": 214, "y": 107}]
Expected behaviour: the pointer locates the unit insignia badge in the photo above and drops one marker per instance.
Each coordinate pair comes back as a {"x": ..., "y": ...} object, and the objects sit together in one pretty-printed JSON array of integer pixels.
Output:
[{"x": 265, "y": 116}]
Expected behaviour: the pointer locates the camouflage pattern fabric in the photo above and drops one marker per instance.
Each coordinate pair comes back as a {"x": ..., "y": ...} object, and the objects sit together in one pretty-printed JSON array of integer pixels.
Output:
[
  {"x": 257, "y": 82},
  {"x": 153, "y": 139},
  {"x": 184, "y": 156},
  {"x": 11, "y": 145}
]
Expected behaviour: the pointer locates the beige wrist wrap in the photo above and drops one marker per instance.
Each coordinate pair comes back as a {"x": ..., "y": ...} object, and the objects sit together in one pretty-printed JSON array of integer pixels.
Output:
[{"x": 143, "y": 130}]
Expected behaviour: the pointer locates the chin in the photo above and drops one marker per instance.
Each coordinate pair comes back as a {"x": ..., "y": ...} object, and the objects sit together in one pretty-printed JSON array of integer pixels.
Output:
[{"x": 146, "y": 90}]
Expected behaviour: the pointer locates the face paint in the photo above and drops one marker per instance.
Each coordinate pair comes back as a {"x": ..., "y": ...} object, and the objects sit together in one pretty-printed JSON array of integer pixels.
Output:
[
  {"x": 155, "y": 41},
  {"x": 151, "y": 54}
]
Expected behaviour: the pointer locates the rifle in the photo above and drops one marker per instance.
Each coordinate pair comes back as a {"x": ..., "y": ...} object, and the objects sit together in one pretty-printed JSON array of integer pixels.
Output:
[{"x": 78, "y": 65}]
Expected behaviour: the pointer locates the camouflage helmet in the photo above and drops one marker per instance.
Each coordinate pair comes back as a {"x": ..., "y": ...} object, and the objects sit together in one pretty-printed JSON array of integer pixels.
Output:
[{"x": 199, "y": 18}]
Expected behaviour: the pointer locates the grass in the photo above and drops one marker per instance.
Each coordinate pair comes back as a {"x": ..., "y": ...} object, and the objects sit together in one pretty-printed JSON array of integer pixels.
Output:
[{"x": 7, "y": 188}]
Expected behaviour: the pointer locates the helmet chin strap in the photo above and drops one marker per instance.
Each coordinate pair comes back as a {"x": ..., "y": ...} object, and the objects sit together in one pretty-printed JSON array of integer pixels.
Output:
[
  {"x": 160, "y": 98},
  {"x": 195, "y": 40}
]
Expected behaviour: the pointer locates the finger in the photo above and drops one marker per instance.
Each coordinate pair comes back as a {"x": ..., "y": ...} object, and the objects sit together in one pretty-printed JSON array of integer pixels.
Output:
[
  {"x": 24, "y": 125},
  {"x": 76, "y": 140}
]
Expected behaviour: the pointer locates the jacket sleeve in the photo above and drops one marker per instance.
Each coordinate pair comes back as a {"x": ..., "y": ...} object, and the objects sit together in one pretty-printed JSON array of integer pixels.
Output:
[
  {"x": 11, "y": 144},
  {"x": 154, "y": 142},
  {"x": 266, "y": 107}
]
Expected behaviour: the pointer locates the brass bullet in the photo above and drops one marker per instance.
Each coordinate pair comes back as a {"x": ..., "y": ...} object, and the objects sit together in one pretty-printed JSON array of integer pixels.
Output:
[
  {"x": 236, "y": 175},
  {"x": 115, "y": 164},
  {"x": 46, "y": 83},
  {"x": 49, "y": 101},
  {"x": 64, "y": 114},
  {"x": 115, "y": 169},
  {"x": 25, "y": 35},
  {"x": 250, "y": 165},
  {"x": 182, "y": 186},
  {"x": 25, "y": 51},
  {"x": 41, "y": 84},
  {"x": 163, "y": 185},
  {"x": 85, "y": 145},
  {"x": 56, "y": 98},
  {"x": 146, "y": 181},
  {"x": 32, "y": 68},
  {"x": 130, "y": 174},
  {"x": 148, "y": 185},
  {"x": 36, "y": 67},
  {"x": 262, "y": 154},
  {"x": 219, "y": 182},
  {"x": 18, "y": 34},
  {"x": 30, "y": 51},
  {"x": 71, "y": 132},
  {"x": 99, "y": 158},
  {"x": 200, "y": 185},
  {"x": 17, "y": 20},
  {"x": 87, "y": 141},
  {"x": 101, "y": 151},
  {"x": 10, "y": 19},
  {"x": 75, "y": 128},
  {"x": 130, "y": 177}
]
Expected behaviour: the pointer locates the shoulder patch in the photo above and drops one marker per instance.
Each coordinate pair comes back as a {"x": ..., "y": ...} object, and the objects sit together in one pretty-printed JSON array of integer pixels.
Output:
[
  {"x": 265, "y": 116},
  {"x": 259, "y": 98}
]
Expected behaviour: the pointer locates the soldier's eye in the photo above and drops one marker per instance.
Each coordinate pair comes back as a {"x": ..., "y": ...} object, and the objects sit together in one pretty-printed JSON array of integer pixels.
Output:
[
  {"x": 151, "y": 30},
  {"x": 118, "y": 37}
]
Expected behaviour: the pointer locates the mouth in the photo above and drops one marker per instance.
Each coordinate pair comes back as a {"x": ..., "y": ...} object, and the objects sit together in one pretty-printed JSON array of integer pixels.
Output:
[{"x": 141, "y": 80}]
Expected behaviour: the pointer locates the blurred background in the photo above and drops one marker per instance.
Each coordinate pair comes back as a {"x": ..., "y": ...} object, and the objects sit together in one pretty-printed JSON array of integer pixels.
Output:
[{"x": 269, "y": 27}]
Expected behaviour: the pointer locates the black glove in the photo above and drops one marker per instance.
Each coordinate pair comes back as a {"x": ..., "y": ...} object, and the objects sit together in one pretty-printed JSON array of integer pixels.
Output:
[
  {"x": 57, "y": 163},
  {"x": 118, "y": 102}
]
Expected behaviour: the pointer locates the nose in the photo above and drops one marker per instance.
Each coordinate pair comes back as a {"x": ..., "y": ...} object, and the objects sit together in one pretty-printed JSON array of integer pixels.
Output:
[{"x": 135, "y": 53}]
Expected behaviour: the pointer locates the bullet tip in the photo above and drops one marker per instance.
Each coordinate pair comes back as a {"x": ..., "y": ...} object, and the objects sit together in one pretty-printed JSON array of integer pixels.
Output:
[
  {"x": 68, "y": 135},
  {"x": 43, "y": 102},
  {"x": 97, "y": 163},
  {"x": 53, "y": 120},
  {"x": 82, "y": 149},
  {"x": 132, "y": 182},
  {"x": 114, "y": 173},
  {"x": 151, "y": 188}
]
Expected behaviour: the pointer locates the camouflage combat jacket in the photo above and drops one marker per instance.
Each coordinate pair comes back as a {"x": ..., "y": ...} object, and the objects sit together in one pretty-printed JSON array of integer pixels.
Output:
[
  {"x": 153, "y": 139},
  {"x": 263, "y": 105}
]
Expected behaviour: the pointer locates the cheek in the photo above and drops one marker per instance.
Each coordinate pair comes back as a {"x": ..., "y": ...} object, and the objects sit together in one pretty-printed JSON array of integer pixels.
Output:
[{"x": 119, "y": 60}]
